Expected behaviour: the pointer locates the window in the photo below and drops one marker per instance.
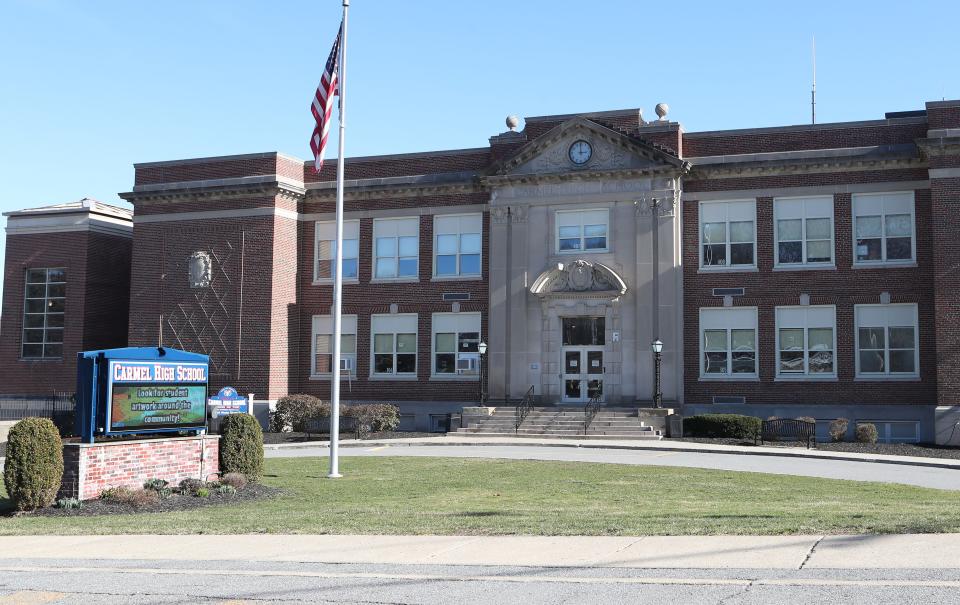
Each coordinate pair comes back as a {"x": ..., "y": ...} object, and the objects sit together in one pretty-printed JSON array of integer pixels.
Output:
[
  {"x": 394, "y": 344},
  {"x": 45, "y": 299},
  {"x": 806, "y": 341},
  {"x": 583, "y": 331},
  {"x": 326, "y": 249},
  {"x": 456, "y": 246},
  {"x": 728, "y": 342},
  {"x": 582, "y": 231},
  {"x": 456, "y": 338},
  {"x": 323, "y": 345},
  {"x": 894, "y": 431},
  {"x": 883, "y": 228},
  {"x": 887, "y": 340},
  {"x": 728, "y": 234},
  {"x": 396, "y": 247},
  {"x": 803, "y": 231}
]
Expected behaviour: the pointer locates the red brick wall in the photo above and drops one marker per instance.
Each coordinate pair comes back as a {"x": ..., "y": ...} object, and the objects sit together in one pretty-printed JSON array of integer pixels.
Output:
[
  {"x": 843, "y": 287},
  {"x": 365, "y": 299},
  {"x": 945, "y": 221},
  {"x": 782, "y": 139},
  {"x": 91, "y": 468},
  {"x": 32, "y": 251}
]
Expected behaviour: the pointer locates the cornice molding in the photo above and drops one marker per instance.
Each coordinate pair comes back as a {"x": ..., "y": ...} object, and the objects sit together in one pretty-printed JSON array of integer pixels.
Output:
[
  {"x": 813, "y": 166},
  {"x": 393, "y": 192},
  {"x": 214, "y": 194},
  {"x": 939, "y": 146}
]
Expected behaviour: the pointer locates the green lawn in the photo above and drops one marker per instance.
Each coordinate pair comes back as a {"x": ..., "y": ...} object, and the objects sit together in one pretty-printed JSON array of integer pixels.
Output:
[{"x": 469, "y": 496}]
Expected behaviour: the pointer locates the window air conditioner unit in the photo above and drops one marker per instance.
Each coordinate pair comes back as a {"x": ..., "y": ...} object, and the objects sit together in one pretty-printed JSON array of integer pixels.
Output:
[
  {"x": 346, "y": 365},
  {"x": 466, "y": 364}
]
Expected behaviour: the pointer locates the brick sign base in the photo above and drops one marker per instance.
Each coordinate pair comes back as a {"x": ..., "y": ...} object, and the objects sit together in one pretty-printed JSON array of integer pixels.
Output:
[{"x": 90, "y": 468}]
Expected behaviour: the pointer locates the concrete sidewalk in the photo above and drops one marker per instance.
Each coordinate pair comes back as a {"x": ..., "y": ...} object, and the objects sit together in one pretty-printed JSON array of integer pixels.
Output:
[
  {"x": 612, "y": 444},
  {"x": 917, "y": 551}
]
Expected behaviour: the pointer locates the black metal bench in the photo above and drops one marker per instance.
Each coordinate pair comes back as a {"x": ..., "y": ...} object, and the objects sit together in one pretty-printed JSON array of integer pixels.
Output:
[
  {"x": 788, "y": 429},
  {"x": 348, "y": 424}
]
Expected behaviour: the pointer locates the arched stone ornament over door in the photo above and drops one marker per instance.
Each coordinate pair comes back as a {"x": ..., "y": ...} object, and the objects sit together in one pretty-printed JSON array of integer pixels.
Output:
[{"x": 580, "y": 303}]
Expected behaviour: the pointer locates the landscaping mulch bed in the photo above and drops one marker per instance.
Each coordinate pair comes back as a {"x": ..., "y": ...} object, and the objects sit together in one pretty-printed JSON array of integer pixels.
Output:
[
  {"x": 887, "y": 449},
  {"x": 176, "y": 502},
  {"x": 275, "y": 438}
]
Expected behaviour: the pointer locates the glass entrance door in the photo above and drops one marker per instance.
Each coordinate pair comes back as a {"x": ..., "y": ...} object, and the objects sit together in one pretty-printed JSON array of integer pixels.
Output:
[
  {"x": 582, "y": 359},
  {"x": 582, "y": 374}
]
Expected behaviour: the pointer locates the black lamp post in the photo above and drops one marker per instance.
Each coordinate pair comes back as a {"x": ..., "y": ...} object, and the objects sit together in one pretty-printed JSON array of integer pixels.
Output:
[
  {"x": 482, "y": 347},
  {"x": 657, "y": 347}
]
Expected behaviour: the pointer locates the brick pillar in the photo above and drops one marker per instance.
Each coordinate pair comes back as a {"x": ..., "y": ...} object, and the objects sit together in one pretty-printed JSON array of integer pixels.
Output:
[{"x": 942, "y": 147}]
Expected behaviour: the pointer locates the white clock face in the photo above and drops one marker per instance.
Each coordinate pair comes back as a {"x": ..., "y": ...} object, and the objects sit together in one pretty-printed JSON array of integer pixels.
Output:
[{"x": 580, "y": 152}]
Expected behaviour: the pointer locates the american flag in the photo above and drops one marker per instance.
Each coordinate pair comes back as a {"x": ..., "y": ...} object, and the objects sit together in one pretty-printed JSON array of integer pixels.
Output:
[{"x": 322, "y": 105}]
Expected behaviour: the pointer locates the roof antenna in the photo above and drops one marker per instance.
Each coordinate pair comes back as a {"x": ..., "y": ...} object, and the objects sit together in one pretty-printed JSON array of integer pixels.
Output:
[{"x": 813, "y": 91}]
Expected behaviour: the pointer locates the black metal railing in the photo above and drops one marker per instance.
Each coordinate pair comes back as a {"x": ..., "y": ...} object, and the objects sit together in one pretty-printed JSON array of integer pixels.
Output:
[
  {"x": 58, "y": 407},
  {"x": 523, "y": 409},
  {"x": 589, "y": 411}
]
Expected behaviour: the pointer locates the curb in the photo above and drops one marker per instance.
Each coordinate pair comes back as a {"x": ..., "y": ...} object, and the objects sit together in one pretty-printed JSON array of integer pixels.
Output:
[{"x": 885, "y": 459}]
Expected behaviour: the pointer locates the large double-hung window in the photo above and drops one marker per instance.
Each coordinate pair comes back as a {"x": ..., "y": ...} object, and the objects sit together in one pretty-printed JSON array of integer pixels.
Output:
[
  {"x": 728, "y": 342},
  {"x": 883, "y": 226},
  {"x": 804, "y": 231},
  {"x": 326, "y": 250},
  {"x": 886, "y": 338},
  {"x": 323, "y": 345},
  {"x": 394, "y": 350},
  {"x": 728, "y": 234},
  {"x": 582, "y": 231},
  {"x": 456, "y": 340},
  {"x": 44, "y": 304},
  {"x": 396, "y": 248},
  {"x": 456, "y": 246},
  {"x": 806, "y": 342}
]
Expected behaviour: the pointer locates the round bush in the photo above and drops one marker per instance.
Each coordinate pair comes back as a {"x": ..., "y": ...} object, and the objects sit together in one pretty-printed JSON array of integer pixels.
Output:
[
  {"x": 293, "y": 411},
  {"x": 241, "y": 446},
  {"x": 732, "y": 426},
  {"x": 373, "y": 417},
  {"x": 866, "y": 433},
  {"x": 34, "y": 465},
  {"x": 838, "y": 429}
]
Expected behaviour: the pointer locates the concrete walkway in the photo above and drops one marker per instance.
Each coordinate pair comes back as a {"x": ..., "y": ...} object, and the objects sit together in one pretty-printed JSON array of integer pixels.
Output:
[{"x": 923, "y": 551}]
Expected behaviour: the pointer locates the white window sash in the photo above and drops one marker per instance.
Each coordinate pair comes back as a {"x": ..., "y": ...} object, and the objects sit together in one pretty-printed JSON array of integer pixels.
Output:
[
  {"x": 887, "y": 317},
  {"x": 580, "y": 219},
  {"x": 884, "y": 204},
  {"x": 727, "y": 212}
]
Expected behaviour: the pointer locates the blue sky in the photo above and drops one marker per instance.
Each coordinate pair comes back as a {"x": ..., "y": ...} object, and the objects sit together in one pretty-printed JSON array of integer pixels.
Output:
[{"x": 87, "y": 88}]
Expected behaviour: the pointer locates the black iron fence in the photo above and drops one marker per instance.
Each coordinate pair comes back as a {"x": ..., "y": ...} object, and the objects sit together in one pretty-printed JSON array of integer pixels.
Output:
[{"x": 58, "y": 407}]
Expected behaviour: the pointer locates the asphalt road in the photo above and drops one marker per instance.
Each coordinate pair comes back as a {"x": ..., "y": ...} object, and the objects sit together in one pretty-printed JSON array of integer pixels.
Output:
[
  {"x": 941, "y": 478},
  {"x": 123, "y": 581}
]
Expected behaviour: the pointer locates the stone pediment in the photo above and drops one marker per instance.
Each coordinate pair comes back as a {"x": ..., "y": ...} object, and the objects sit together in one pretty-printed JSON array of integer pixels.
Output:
[
  {"x": 549, "y": 154},
  {"x": 579, "y": 278}
]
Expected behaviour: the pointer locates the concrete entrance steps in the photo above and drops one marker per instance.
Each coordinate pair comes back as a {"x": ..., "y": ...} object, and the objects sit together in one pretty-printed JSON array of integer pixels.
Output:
[{"x": 563, "y": 422}]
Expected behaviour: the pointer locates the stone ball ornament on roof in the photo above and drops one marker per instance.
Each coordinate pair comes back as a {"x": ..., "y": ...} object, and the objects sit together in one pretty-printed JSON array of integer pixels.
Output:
[
  {"x": 513, "y": 122},
  {"x": 662, "y": 109}
]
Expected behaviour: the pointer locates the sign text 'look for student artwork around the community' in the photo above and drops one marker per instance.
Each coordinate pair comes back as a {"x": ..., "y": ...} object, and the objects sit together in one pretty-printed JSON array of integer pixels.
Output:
[{"x": 149, "y": 396}]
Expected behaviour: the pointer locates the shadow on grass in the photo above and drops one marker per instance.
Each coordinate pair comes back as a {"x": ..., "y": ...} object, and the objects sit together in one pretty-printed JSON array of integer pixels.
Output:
[{"x": 481, "y": 513}]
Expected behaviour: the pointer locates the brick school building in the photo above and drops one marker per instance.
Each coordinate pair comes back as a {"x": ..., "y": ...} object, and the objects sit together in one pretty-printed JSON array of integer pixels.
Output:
[{"x": 796, "y": 270}]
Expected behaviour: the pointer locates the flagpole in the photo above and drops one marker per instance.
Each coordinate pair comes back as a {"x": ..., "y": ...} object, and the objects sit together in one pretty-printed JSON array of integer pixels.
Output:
[{"x": 338, "y": 275}]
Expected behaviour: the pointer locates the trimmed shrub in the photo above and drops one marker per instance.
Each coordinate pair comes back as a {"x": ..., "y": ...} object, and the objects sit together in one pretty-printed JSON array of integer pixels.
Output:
[
  {"x": 34, "y": 465},
  {"x": 866, "y": 433},
  {"x": 732, "y": 426},
  {"x": 374, "y": 417},
  {"x": 69, "y": 503},
  {"x": 155, "y": 484},
  {"x": 234, "y": 480},
  {"x": 838, "y": 429},
  {"x": 226, "y": 490},
  {"x": 136, "y": 498},
  {"x": 203, "y": 492},
  {"x": 190, "y": 486},
  {"x": 241, "y": 446},
  {"x": 293, "y": 411}
]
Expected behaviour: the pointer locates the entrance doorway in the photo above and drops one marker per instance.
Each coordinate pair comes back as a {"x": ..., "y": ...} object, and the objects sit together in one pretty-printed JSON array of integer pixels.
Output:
[{"x": 582, "y": 359}]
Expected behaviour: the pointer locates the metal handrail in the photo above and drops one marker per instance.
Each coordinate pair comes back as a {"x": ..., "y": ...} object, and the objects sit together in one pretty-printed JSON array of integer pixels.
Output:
[
  {"x": 523, "y": 409},
  {"x": 589, "y": 411}
]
